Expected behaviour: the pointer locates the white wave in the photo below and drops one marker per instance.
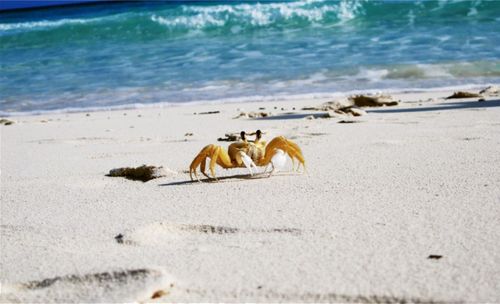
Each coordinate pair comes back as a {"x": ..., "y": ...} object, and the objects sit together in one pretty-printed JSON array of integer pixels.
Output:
[
  {"x": 371, "y": 75},
  {"x": 435, "y": 70},
  {"x": 472, "y": 12},
  {"x": 443, "y": 38},
  {"x": 44, "y": 24},
  {"x": 252, "y": 54},
  {"x": 411, "y": 18},
  {"x": 260, "y": 14},
  {"x": 348, "y": 10},
  {"x": 198, "y": 21},
  {"x": 311, "y": 80},
  {"x": 206, "y": 88}
]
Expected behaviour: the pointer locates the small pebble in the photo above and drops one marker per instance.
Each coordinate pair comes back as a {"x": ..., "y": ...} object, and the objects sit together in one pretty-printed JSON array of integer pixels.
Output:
[
  {"x": 158, "y": 294},
  {"x": 119, "y": 238}
]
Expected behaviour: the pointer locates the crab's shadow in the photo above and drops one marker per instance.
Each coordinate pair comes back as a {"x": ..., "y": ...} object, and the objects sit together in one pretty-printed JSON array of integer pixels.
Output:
[{"x": 226, "y": 179}]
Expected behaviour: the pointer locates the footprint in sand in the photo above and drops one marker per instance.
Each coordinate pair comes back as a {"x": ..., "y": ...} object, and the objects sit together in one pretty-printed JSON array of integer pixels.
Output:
[
  {"x": 134, "y": 285},
  {"x": 387, "y": 143},
  {"x": 160, "y": 232},
  {"x": 74, "y": 141},
  {"x": 262, "y": 294}
]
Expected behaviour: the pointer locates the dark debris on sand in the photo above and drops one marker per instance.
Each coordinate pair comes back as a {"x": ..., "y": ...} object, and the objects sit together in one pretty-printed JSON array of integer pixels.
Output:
[
  {"x": 352, "y": 106},
  {"x": 373, "y": 101},
  {"x": 230, "y": 137},
  {"x": 463, "y": 94},
  {"x": 344, "y": 121},
  {"x": 6, "y": 122},
  {"x": 143, "y": 173},
  {"x": 253, "y": 115},
  {"x": 490, "y": 91},
  {"x": 208, "y": 112},
  {"x": 95, "y": 277},
  {"x": 119, "y": 238}
]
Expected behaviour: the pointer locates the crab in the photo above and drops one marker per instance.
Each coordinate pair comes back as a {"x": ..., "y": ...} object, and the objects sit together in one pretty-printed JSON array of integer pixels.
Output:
[{"x": 248, "y": 154}]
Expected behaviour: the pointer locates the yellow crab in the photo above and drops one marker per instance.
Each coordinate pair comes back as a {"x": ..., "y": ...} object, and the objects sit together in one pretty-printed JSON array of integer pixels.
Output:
[{"x": 248, "y": 154}]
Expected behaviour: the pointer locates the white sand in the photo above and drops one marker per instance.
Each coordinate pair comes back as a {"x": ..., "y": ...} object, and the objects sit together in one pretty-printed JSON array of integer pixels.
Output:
[{"x": 379, "y": 197}]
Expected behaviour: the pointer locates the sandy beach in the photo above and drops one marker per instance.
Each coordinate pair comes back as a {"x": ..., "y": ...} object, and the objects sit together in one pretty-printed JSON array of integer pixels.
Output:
[{"x": 400, "y": 206}]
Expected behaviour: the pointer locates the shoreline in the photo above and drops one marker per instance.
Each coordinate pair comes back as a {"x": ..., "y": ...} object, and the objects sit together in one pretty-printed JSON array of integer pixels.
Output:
[
  {"x": 398, "y": 206},
  {"x": 320, "y": 96}
]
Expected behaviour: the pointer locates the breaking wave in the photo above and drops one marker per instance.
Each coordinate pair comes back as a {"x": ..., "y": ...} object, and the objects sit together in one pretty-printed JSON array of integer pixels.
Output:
[
  {"x": 261, "y": 14},
  {"x": 149, "y": 52},
  {"x": 295, "y": 14},
  {"x": 42, "y": 24}
]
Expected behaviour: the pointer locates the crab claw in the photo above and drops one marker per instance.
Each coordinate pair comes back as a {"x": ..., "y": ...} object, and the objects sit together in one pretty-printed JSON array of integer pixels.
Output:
[
  {"x": 248, "y": 162},
  {"x": 278, "y": 160}
]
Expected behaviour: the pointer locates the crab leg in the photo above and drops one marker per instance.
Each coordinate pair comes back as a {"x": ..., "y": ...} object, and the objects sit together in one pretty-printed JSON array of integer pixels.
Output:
[
  {"x": 287, "y": 146},
  {"x": 248, "y": 162},
  {"x": 217, "y": 156},
  {"x": 199, "y": 160},
  {"x": 202, "y": 168},
  {"x": 213, "y": 161}
]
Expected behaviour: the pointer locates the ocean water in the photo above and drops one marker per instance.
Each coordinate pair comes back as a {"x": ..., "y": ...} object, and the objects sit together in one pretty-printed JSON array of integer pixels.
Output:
[{"x": 143, "y": 53}]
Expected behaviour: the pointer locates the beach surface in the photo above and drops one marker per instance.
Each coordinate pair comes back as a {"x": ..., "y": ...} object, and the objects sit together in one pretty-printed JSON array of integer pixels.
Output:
[{"x": 400, "y": 206}]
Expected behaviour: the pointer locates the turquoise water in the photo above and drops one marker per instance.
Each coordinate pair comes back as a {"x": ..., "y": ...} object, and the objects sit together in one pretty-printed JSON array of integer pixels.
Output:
[{"x": 132, "y": 54}]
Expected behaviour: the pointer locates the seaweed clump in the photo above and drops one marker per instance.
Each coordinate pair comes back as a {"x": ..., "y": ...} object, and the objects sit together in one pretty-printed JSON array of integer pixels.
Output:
[
  {"x": 143, "y": 173},
  {"x": 253, "y": 115},
  {"x": 373, "y": 100},
  {"x": 463, "y": 94},
  {"x": 6, "y": 122},
  {"x": 352, "y": 106},
  {"x": 490, "y": 91}
]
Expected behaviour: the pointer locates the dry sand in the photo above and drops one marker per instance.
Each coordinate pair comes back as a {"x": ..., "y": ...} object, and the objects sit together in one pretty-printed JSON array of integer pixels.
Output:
[{"x": 379, "y": 197}]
